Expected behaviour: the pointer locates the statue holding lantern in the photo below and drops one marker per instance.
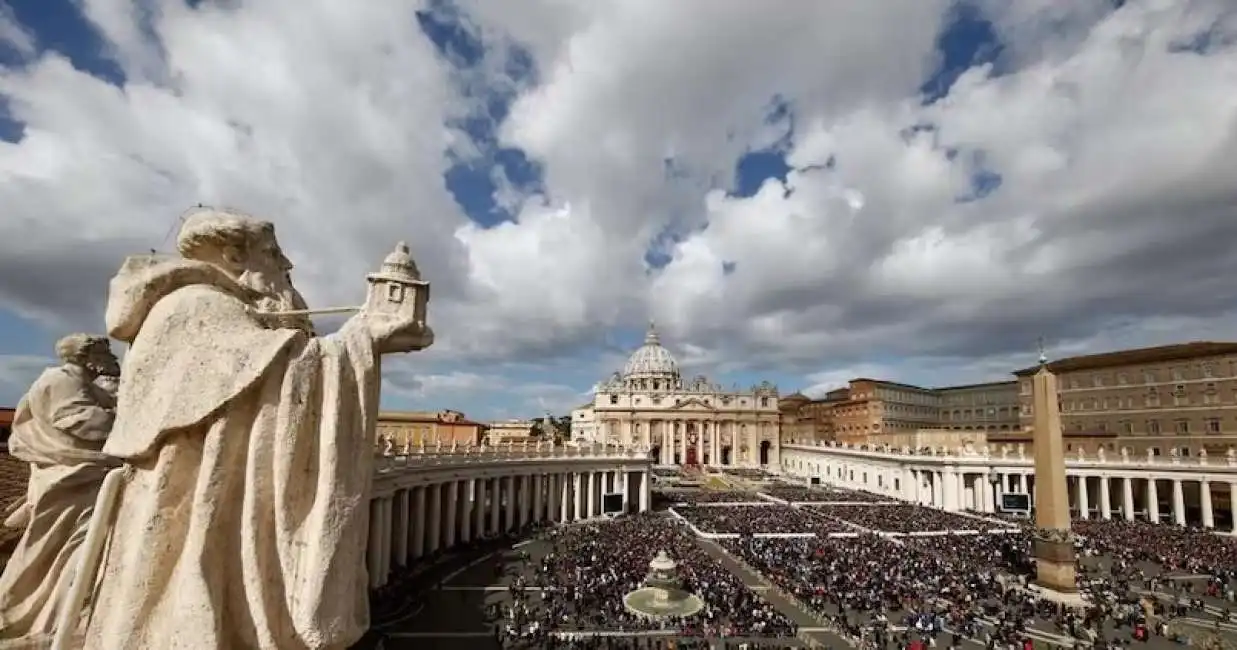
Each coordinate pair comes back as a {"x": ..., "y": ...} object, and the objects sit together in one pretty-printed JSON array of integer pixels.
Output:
[{"x": 247, "y": 449}]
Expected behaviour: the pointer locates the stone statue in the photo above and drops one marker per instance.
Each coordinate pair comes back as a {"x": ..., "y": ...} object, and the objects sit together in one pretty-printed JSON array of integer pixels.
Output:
[
  {"x": 241, "y": 514},
  {"x": 59, "y": 428},
  {"x": 388, "y": 445}
]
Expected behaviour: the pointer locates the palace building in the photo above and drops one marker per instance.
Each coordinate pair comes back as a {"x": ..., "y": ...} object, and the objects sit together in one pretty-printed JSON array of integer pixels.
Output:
[{"x": 692, "y": 422}]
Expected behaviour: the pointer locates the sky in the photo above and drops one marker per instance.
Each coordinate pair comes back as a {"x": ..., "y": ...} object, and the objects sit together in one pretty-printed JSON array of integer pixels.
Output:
[{"x": 799, "y": 192}]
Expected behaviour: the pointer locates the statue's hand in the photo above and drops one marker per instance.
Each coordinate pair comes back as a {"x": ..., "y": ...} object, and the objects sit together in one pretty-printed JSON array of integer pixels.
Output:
[{"x": 393, "y": 334}]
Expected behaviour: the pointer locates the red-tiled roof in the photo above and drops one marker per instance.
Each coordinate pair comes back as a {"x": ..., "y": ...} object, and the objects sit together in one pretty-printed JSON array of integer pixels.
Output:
[{"x": 1137, "y": 356}]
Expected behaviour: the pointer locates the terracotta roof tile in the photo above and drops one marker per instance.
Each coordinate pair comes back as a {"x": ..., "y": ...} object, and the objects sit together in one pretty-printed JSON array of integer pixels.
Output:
[{"x": 1137, "y": 356}]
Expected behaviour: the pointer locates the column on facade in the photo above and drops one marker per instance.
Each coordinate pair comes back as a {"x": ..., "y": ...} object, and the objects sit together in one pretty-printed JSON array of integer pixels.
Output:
[
  {"x": 399, "y": 536},
  {"x": 433, "y": 540},
  {"x": 1204, "y": 497},
  {"x": 988, "y": 487},
  {"x": 1022, "y": 483},
  {"x": 1127, "y": 497},
  {"x": 496, "y": 504},
  {"x": 667, "y": 442},
  {"x": 1153, "y": 501},
  {"x": 681, "y": 426},
  {"x": 374, "y": 552},
  {"x": 467, "y": 503},
  {"x": 1084, "y": 505},
  {"x": 1105, "y": 499},
  {"x": 418, "y": 521},
  {"x": 1178, "y": 503},
  {"x": 538, "y": 498},
  {"x": 753, "y": 444}
]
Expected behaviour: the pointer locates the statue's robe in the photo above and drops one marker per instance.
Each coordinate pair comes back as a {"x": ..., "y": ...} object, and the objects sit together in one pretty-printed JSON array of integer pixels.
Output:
[
  {"x": 242, "y": 519},
  {"x": 59, "y": 428}
]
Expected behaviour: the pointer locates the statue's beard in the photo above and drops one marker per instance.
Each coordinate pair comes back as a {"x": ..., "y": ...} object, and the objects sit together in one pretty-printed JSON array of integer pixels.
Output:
[{"x": 278, "y": 297}]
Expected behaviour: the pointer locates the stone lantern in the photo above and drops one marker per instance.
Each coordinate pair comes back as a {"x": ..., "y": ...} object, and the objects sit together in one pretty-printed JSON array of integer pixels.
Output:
[{"x": 398, "y": 290}]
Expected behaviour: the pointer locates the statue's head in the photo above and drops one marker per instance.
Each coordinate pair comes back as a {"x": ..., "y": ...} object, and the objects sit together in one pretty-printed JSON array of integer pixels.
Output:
[
  {"x": 246, "y": 249},
  {"x": 89, "y": 351}
]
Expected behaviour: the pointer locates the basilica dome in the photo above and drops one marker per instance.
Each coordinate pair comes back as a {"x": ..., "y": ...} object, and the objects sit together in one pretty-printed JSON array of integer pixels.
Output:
[{"x": 651, "y": 360}]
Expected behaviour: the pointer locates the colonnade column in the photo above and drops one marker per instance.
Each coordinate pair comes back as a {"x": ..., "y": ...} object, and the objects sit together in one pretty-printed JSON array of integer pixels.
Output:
[
  {"x": 466, "y": 514},
  {"x": 1105, "y": 499},
  {"x": 581, "y": 513},
  {"x": 646, "y": 486},
  {"x": 374, "y": 556},
  {"x": 1178, "y": 503},
  {"x": 1204, "y": 494},
  {"x": 1127, "y": 497},
  {"x": 1153, "y": 502},
  {"x": 496, "y": 504},
  {"x": 538, "y": 504},
  {"x": 418, "y": 522},
  {"x": 478, "y": 513},
  {"x": 565, "y": 502},
  {"x": 1084, "y": 505},
  {"x": 434, "y": 540},
  {"x": 508, "y": 492},
  {"x": 451, "y": 519},
  {"x": 400, "y": 534}
]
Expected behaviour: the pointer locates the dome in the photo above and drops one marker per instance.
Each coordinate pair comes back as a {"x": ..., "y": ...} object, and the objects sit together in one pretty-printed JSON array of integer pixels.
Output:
[{"x": 651, "y": 361}]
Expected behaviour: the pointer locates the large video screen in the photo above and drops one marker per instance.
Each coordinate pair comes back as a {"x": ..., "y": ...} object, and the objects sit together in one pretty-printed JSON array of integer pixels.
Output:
[
  {"x": 815, "y": 480},
  {"x": 1016, "y": 502},
  {"x": 612, "y": 502}
]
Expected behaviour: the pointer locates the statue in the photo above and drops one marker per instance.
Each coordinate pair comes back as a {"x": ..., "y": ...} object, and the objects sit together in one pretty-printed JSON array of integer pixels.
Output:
[
  {"x": 59, "y": 428},
  {"x": 388, "y": 445},
  {"x": 240, "y": 517}
]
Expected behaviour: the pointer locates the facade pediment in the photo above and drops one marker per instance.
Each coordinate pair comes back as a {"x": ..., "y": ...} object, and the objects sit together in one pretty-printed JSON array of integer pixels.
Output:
[{"x": 693, "y": 404}]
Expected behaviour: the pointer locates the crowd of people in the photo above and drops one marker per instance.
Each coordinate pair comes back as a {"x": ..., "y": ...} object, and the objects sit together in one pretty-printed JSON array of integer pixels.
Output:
[
  {"x": 581, "y": 582},
  {"x": 751, "y": 520},
  {"x": 804, "y": 494},
  {"x": 749, "y": 473},
  {"x": 692, "y": 497},
  {"x": 1176, "y": 548},
  {"x": 941, "y": 590},
  {"x": 904, "y": 518}
]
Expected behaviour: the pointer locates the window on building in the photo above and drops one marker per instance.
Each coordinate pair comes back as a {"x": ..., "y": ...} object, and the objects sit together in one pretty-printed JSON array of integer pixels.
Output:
[
  {"x": 614, "y": 399},
  {"x": 1178, "y": 374},
  {"x": 1213, "y": 425},
  {"x": 1149, "y": 376},
  {"x": 1208, "y": 369},
  {"x": 1155, "y": 451},
  {"x": 1073, "y": 383},
  {"x": 764, "y": 401},
  {"x": 1127, "y": 427},
  {"x": 1153, "y": 427},
  {"x": 1097, "y": 381},
  {"x": 1123, "y": 379},
  {"x": 1025, "y": 385},
  {"x": 1102, "y": 426},
  {"x": 1181, "y": 426}
]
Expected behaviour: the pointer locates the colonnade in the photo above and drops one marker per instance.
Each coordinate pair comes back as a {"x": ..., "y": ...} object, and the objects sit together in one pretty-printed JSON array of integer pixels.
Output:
[
  {"x": 433, "y": 512},
  {"x": 1169, "y": 491},
  {"x": 712, "y": 441}
]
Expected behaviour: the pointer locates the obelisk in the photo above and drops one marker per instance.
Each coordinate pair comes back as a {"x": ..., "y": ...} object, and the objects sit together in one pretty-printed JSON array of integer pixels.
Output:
[{"x": 1054, "y": 544}]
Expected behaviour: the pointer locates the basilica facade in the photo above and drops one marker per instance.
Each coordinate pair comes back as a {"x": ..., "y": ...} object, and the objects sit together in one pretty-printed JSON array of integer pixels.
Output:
[{"x": 684, "y": 422}]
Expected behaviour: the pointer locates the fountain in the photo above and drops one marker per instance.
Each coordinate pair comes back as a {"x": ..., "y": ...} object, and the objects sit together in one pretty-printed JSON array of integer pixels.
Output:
[{"x": 661, "y": 596}]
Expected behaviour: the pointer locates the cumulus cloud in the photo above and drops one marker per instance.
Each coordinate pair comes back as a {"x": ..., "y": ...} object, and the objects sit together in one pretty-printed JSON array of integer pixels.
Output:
[{"x": 1082, "y": 184}]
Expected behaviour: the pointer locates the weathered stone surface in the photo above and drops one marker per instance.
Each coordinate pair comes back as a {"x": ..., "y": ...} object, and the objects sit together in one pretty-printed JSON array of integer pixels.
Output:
[
  {"x": 240, "y": 515},
  {"x": 59, "y": 430}
]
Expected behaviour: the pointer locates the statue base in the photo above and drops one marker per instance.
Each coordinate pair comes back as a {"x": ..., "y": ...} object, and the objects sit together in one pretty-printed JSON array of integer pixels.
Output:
[
  {"x": 1068, "y": 598},
  {"x": 1055, "y": 565},
  {"x": 659, "y": 602}
]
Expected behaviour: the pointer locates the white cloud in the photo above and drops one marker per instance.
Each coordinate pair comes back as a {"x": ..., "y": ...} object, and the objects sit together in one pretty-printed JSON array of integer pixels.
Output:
[{"x": 1115, "y": 149}]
